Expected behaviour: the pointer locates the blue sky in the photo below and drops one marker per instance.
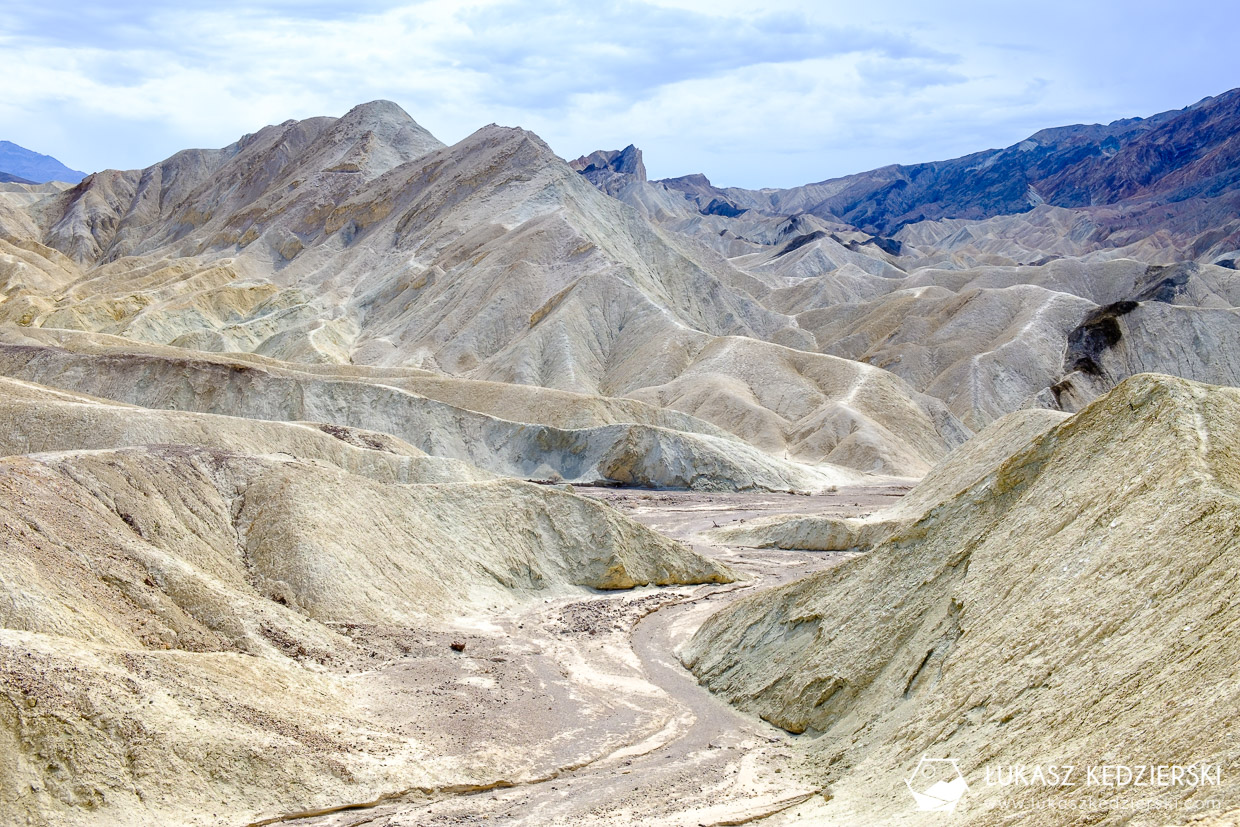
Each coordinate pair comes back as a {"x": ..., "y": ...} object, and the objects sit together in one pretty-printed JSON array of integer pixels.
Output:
[{"x": 776, "y": 93}]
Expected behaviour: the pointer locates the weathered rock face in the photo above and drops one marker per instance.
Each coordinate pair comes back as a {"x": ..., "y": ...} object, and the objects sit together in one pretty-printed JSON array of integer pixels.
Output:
[
  {"x": 971, "y": 462},
  {"x": 1053, "y": 611},
  {"x": 928, "y": 271},
  {"x": 298, "y": 475},
  {"x": 178, "y": 590},
  {"x": 983, "y": 351},
  {"x": 256, "y": 399},
  {"x": 988, "y": 340},
  {"x": 331, "y": 239},
  {"x": 615, "y": 443},
  {"x": 38, "y": 419},
  {"x": 1128, "y": 337},
  {"x": 612, "y": 171},
  {"x": 364, "y": 241}
]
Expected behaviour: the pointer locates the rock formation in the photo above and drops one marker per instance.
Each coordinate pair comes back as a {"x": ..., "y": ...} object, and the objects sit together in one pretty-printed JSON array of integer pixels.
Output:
[
  {"x": 1051, "y": 611},
  {"x": 946, "y": 299},
  {"x": 181, "y": 591},
  {"x": 272, "y": 415},
  {"x": 363, "y": 241}
]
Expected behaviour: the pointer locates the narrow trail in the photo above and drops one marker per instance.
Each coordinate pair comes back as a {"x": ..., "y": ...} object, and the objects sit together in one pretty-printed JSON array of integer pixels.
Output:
[{"x": 708, "y": 764}]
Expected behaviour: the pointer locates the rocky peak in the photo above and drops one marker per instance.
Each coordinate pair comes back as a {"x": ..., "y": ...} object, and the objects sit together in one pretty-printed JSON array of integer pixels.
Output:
[
  {"x": 612, "y": 170},
  {"x": 627, "y": 161}
]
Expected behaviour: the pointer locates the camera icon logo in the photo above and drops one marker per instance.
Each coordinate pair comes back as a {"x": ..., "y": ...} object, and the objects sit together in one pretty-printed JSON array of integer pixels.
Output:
[{"x": 937, "y": 784}]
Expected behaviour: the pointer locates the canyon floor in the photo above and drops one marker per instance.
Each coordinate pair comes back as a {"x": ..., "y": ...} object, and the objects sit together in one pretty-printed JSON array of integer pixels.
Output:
[{"x": 590, "y": 697}]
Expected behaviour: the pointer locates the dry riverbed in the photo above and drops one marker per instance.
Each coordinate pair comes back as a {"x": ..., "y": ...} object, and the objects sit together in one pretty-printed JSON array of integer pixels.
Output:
[{"x": 578, "y": 711}]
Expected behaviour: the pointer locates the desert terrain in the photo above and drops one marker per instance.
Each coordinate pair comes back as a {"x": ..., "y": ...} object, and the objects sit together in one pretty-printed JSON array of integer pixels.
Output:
[{"x": 350, "y": 477}]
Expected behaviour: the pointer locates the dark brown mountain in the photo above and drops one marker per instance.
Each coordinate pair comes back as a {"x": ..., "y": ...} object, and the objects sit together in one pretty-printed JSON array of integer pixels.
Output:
[{"x": 1166, "y": 159}]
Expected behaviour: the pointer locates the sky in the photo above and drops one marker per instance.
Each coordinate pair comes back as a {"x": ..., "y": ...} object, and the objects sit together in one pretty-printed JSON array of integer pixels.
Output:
[{"x": 754, "y": 94}]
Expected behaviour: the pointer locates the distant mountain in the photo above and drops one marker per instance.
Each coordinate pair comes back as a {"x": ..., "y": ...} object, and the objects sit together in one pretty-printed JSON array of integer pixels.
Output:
[
  {"x": 17, "y": 162},
  {"x": 1167, "y": 158},
  {"x": 1186, "y": 155}
]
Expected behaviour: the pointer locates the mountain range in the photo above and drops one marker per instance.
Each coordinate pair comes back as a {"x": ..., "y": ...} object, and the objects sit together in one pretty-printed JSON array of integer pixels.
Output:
[
  {"x": 281, "y": 411},
  {"x": 363, "y": 241},
  {"x": 1167, "y": 159}
]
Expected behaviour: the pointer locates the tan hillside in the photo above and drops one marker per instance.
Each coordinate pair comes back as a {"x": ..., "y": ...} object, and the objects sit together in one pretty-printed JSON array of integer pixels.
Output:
[
  {"x": 363, "y": 242},
  {"x": 655, "y": 450},
  {"x": 1072, "y": 606},
  {"x": 177, "y": 609},
  {"x": 966, "y": 465}
]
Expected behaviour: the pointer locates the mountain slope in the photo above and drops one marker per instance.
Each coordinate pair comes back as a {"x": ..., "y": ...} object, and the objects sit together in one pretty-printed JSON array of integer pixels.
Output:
[
  {"x": 979, "y": 309},
  {"x": 200, "y": 597},
  {"x": 658, "y": 449},
  {"x": 22, "y": 163},
  {"x": 364, "y": 240},
  {"x": 338, "y": 210},
  {"x": 1046, "y": 613},
  {"x": 1177, "y": 171}
]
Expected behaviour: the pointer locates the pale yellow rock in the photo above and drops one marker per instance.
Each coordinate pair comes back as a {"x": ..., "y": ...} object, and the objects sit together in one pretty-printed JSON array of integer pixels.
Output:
[
  {"x": 629, "y": 442},
  {"x": 363, "y": 240},
  {"x": 175, "y": 612},
  {"x": 963, "y": 467},
  {"x": 1073, "y": 606}
]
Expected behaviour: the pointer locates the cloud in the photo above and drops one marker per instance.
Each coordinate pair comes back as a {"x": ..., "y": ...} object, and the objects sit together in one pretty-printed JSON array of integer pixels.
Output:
[
  {"x": 636, "y": 48},
  {"x": 779, "y": 95}
]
